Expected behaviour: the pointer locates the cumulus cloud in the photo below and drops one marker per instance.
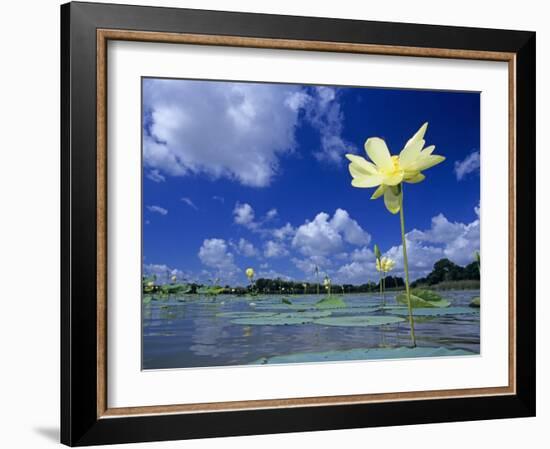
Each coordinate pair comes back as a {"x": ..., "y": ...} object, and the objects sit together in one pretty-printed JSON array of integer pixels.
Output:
[
  {"x": 214, "y": 253},
  {"x": 309, "y": 265},
  {"x": 230, "y": 130},
  {"x": 458, "y": 240},
  {"x": 243, "y": 214},
  {"x": 468, "y": 165},
  {"x": 245, "y": 248},
  {"x": 157, "y": 209},
  {"x": 163, "y": 273},
  {"x": 284, "y": 232},
  {"x": 325, "y": 235},
  {"x": 324, "y": 113},
  {"x": 274, "y": 249},
  {"x": 237, "y": 131},
  {"x": 190, "y": 203}
]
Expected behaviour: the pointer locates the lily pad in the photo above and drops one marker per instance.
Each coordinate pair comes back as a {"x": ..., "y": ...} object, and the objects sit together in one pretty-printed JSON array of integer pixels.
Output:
[
  {"x": 355, "y": 311},
  {"x": 363, "y": 354},
  {"x": 147, "y": 299},
  {"x": 418, "y": 302},
  {"x": 289, "y": 307},
  {"x": 475, "y": 302},
  {"x": 331, "y": 302},
  {"x": 359, "y": 321},
  {"x": 245, "y": 314},
  {"x": 275, "y": 320},
  {"x": 436, "y": 311}
]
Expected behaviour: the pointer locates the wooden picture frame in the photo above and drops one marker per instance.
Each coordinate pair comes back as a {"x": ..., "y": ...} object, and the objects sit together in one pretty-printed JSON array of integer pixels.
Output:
[{"x": 85, "y": 417}]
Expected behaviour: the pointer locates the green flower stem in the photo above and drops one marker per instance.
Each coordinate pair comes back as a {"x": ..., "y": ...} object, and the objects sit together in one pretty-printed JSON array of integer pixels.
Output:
[
  {"x": 381, "y": 291},
  {"x": 384, "y": 291},
  {"x": 406, "y": 266}
]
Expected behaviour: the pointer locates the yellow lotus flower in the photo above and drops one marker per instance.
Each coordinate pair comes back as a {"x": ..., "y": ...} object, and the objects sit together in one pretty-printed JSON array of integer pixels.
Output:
[
  {"x": 385, "y": 264},
  {"x": 249, "y": 273},
  {"x": 388, "y": 172},
  {"x": 174, "y": 278}
]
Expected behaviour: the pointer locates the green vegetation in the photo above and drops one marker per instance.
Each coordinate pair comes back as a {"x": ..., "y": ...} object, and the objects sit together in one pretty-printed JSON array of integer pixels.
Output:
[
  {"x": 331, "y": 302},
  {"x": 445, "y": 275},
  {"x": 445, "y": 271},
  {"x": 423, "y": 298}
]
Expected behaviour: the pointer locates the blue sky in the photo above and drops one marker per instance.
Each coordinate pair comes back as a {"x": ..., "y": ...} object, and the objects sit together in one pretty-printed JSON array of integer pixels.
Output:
[{"x": 239, "y": 175}]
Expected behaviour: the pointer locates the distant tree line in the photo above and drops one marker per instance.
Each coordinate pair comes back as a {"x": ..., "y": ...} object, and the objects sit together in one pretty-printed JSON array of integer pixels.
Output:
[{"x": 444, "y": 270}]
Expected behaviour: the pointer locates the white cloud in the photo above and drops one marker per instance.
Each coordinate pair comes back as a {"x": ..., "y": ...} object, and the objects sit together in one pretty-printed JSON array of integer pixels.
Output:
[
  {"x": 221, "y": 199},
  {"x": 468, "y": 165},
  {"x": 271, "y": 214},
  {"x": 158, "y": 210},
  {"x": 284, "y": 232},
  {"x": 310, "y": 264},
  {"x": 272, "y": 274},
  {"x": 214, "y": 254},
  {"x": 325, "y": 235},
  {"x": 274, "y": 249},
  {"x": 155, "y": 175},
  {"x": 244, "y": 215},
  {"x": 350, "y": 229},
  {"x": 189, "y": 202},
  {"x": 230, "y": 130},
  {"x": 245, "y": 248},
  {"x": 163, "y": 273},
  {"x": 458, "y": 240},
  {"x": 324, "y": 113}
]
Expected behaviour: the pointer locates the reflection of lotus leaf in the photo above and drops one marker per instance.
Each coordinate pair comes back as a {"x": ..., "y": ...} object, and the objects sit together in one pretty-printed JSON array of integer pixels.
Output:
[
  {"x": 331, "y": 302},
  {"x": 434, "y": 311},
  {"x": 363, "y": 354},
  {"x": 475, "y": 302},
  {"x": 359, "y": 320},
  {"x": 422, "y": 302}
]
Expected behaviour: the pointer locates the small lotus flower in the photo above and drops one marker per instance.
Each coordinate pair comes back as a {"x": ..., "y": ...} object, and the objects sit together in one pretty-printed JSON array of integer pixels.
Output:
[
  {"x": 174, "y": 278},
  {"x": 249, "y": 273},
  {"x": 387, "y": 172},
  {"x": 326, "y": 282},
  {"x": 150, "y": 284},
  {"x": 385, "y": 264}
]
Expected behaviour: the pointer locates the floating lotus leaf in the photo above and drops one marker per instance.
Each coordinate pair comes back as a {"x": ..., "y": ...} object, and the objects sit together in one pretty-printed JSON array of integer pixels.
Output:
[
  {"x": 359, "y": 321},
  {"x": 147, "y": 299},
  {"x": 436, "y": 311},
  {"x": 286, "y": 301},
  {"x": 289, "y": 307},
  {"x": 475, "y": 302},
  {"x": 245, "y": 314},
  {"x": 212, "y": 291},
  {"x": 418, "y": 302},
  {"x": 363, "y": 354},
  {"x": 427, "y": 295},
  {"x": 331, "y": 302},
  {"x": 275, "y": 320},
  {"x": 355, "y": 310}
]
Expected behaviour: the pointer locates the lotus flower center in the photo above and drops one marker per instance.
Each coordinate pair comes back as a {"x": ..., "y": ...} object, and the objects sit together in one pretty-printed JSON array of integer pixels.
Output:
[{"x": 396, "y": 170}]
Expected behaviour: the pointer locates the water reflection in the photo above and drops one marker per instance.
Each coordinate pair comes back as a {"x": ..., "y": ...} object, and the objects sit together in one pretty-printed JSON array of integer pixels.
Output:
[{"x": 193, "y": 331}]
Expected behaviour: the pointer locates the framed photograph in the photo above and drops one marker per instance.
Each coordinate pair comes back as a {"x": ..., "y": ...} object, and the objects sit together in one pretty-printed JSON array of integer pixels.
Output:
[{"x": 281, "y": 224}]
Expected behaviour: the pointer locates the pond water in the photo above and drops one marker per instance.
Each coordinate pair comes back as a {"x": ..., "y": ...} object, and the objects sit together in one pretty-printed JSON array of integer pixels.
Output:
[{"x": 202, "y": 331}]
